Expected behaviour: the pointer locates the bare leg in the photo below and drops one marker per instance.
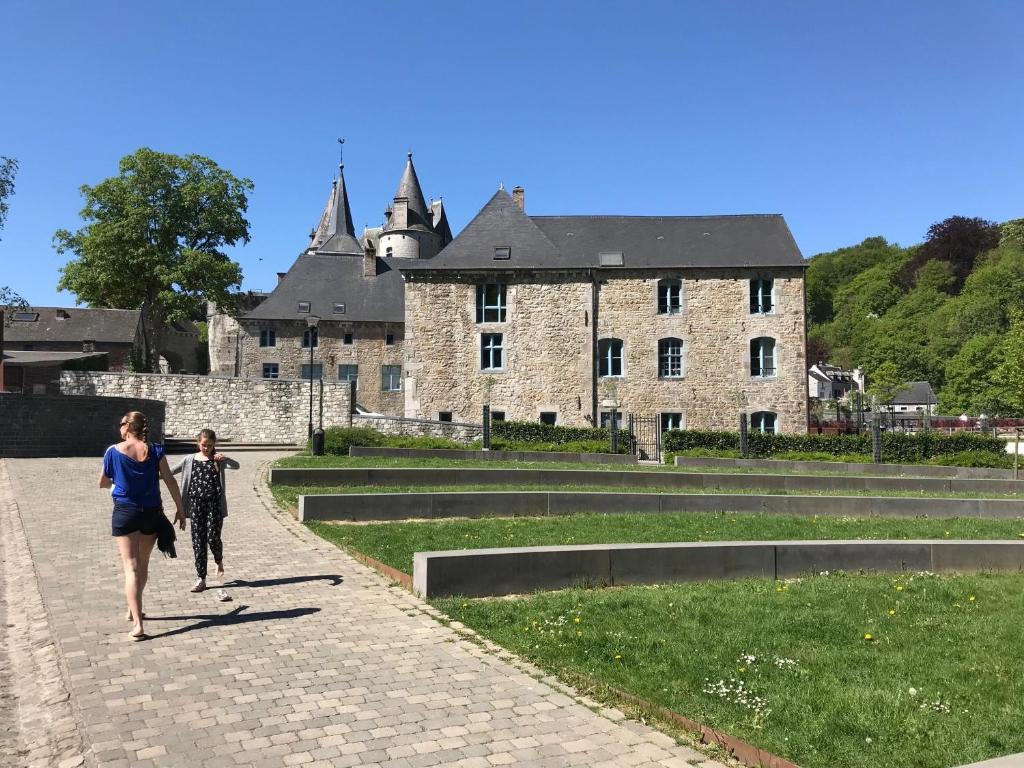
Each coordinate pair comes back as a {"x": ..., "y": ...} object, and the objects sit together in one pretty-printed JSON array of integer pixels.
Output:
[
  {"x": 146, "y": 544},
  {"x": 129, "y": 546}
]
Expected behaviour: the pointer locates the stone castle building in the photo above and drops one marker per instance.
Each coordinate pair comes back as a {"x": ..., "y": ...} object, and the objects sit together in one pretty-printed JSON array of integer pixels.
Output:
[
  {"x": 561, "y": 317},
  {"x": 343, "y": 298}
]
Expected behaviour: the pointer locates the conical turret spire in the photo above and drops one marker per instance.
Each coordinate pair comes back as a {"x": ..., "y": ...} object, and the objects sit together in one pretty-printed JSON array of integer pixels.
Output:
[
  {"x": 340, "y": 234},
  {"x": 409, "y": 190}
]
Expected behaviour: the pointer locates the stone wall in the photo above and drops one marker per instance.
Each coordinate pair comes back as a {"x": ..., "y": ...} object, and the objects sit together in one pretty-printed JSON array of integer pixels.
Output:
[
  {"x": 240, "y": 410},
  {"x": 390, "y": 425},
  {"x": 547, "y": 340},
  {"x": 56, "y": 425},
  {"x": 549, "y": 347},
  {"x": 369, "y": 350}
]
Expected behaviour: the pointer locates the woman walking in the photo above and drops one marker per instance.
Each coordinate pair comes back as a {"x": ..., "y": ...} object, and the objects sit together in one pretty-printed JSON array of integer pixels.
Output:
[
  {"x": 133, "y": 468},
  {"x": 205, "y": 497}
]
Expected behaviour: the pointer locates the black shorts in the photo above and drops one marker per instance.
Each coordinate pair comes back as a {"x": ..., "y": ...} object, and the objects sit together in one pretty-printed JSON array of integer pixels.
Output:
[{"x": 131, "y": 518}]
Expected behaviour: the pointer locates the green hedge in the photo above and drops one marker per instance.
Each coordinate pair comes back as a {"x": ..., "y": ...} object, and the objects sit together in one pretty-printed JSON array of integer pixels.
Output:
[
  {"x": 337, "y": 440},
  {"x": 534, "y": 436},
  {"x": 897, "y": 447}
]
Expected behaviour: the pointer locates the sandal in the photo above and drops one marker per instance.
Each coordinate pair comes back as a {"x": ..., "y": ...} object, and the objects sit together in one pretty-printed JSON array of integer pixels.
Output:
[
  {"x": 223, "y": 596},
  {"x": 199, "y": 586},
  {"x": 139, "y": 636}
]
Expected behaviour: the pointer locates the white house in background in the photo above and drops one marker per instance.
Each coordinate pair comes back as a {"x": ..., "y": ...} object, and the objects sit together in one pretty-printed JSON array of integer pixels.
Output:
[
  {"x": 918, "y": 396},
  {"x": 830, "y": 382}
]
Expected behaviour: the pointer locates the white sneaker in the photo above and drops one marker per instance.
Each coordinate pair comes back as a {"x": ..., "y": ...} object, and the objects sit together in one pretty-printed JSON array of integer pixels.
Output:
[{"x": 199, "y": 586}]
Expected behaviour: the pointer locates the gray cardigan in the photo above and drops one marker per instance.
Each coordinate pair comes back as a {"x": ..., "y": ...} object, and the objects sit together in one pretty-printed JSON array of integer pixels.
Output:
[{"x": 185, "y": 467}]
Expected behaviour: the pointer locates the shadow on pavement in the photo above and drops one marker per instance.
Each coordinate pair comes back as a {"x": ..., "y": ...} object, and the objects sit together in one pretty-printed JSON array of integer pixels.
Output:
[
  {"x": 333, "y": 578},
  {"x": 235, "y": 616}
]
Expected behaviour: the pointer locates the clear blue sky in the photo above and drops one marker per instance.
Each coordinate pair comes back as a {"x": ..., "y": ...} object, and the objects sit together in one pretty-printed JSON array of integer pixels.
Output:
[{"x": 851, "y": 119}]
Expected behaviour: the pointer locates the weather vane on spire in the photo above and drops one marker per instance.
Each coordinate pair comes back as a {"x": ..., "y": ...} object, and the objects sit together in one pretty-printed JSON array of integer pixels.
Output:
[{"x": 341, "y": 152}]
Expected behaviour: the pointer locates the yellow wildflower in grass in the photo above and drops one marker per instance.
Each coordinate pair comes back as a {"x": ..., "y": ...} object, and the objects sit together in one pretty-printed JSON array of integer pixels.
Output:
[
  {"x": 892, "y": 611},
  {"x": 577, "y": 619},
  {"x": 899, "y": 587},
  {"x": 868, "y": 637},
  {"x": 971, "y": 598},
  {"x": 618, "y": 657}
]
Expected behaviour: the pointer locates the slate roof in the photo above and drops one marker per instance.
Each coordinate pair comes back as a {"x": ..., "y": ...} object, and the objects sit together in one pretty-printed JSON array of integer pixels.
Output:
[
  {"x": 324, "y": 280},
  {"x": 559, "y": 242},
  {"x": 335, "y": 233},
  {"x": 918, "y": 392},
  {"x": 107, "y": 325},
  {"x": 33, "y": 357},
  {"x": 409, "y": 188}
]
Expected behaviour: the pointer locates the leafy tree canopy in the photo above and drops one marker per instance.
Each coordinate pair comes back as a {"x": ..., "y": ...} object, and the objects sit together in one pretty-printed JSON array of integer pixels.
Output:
[
  {"x": 154, "y": 238},
  {"x": 886, "y": 383},
  {"x": 957, "y": 241},
  {"x": 826, "y": 272},
  {"x": 9, "y": 300}
]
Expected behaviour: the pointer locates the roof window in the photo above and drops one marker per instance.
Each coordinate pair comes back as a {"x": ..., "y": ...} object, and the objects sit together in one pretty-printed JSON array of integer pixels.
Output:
[
  {"x": 304, "y": 307},
  {"x": 610, "y": 259},
  {"x": 339, "y": 309},
  {"x": 502, "y": 252},
  {"x": 25, "y": 317}
]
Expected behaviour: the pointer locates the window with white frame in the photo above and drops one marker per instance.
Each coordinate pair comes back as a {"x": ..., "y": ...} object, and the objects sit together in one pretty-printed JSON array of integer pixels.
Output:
[
  {"x": 304, "y": 307},
  {"x": 492, "y": 352},
  {"x": 317, "y": 371},
  {"x": 671, "y": 420},
  {"x": 609, "y": 354},
  {"x": 270, "y": 370},
  {"x": 348, "y": 372},
  {"x": 762, "y": 357},
  {"x": 310, "y": 338},
  {"x": 670, "y": 297},
  {"x": 761, "y": 296},
  {"x": 391, "y": 378},
  {"x": 764, "y": 421},
  {"x": 268, "y": 338},
  {"x": 490, "y": 303},
  {"x": 670, "y": 358}
]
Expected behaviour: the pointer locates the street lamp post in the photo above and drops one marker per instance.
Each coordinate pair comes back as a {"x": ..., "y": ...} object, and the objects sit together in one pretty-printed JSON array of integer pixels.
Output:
[{"x": 311, "y": 332}]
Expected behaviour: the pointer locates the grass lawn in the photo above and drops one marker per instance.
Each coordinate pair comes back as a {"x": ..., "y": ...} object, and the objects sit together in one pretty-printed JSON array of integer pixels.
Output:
[
  {"x": 395, "y": 543},
  {"x": 840, "y": 671}
]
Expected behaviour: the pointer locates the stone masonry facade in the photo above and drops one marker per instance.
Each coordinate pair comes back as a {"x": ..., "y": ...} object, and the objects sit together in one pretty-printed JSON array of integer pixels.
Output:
[
  {"x": 549, "y": 347},
  {"x": 239, "y": 410},
  {"x": 369, "y": 350}
]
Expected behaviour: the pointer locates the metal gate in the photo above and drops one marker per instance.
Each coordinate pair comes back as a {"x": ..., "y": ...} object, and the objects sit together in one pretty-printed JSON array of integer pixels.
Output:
[{"x": 645, "y": 437}]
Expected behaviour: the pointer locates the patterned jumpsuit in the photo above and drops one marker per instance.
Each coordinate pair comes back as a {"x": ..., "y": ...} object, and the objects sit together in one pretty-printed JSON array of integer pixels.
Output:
[{"x": 204, "y": 493}]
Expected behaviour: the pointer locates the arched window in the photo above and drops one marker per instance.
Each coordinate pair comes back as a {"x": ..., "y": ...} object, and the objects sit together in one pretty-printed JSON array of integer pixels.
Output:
[
  {"x": 609, "y": 354},
  {"x": 670, "y": 297},
  {"x": 389, "y": 252},
  {"x": 762, "y": 357},
  {"x": 763, "y": 421},
  {"x": 761, "y": 296},
  {"x": 670, "y": 358}
]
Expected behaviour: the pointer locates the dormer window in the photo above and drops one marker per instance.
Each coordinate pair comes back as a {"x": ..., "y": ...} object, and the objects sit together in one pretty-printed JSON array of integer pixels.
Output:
[
  {"x": 25, "y": 317},
  {"x": 502, "y": 252},
  {"x": 304, "y": 307},
  {"x": 339, "y": 309},
  {"x": 610, "y": 259}
]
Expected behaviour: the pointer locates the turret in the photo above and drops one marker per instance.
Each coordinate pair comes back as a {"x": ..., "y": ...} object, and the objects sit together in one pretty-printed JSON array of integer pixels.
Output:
[{"x": 409, "y": 227}]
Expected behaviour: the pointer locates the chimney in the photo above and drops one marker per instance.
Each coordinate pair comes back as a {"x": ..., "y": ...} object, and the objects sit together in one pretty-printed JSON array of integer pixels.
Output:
[
  {"x": 369, "y": 264},
  {"x": 280, "y": 276},
  {"x": 519, "y": 198}
]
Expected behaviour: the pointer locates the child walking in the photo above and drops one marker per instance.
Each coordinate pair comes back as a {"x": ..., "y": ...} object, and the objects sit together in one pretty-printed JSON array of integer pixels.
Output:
[{"x": 204, "y": 495}]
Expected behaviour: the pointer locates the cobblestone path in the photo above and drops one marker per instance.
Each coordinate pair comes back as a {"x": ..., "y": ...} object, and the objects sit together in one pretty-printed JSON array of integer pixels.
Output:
[{"x": 316, "y": 661}]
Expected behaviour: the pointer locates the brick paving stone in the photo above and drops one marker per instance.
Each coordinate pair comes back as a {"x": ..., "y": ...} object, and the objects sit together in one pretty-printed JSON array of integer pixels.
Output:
[{"x": 317, "y": 660}]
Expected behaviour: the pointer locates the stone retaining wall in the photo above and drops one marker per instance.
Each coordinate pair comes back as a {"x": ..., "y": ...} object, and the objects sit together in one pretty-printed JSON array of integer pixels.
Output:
[
  {"x": 443, "y": 453},
  {"x": 55, "y": 425},
  {"x": 521, "y": 570},
  {"x": 393, "y": 425},
  {"x": 240, "y": 410},
  {"x": 912, "y": 470},
  {"x": 407, "y": 506}
]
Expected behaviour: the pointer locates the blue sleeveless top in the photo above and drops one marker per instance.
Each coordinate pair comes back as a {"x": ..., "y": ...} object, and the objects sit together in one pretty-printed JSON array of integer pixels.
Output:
[{"x": 137, "y": 482}]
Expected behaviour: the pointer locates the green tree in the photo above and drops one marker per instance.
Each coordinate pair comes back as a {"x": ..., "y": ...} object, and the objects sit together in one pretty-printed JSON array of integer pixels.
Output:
[
  {"x": 153, "y": 240},
  {"x": 958, "y": 241},
  {"x": 971, "y": 384},
  {"x": 1009, "y": 375},
  {"x": 9, "y": 300},
  {"x": 827, "y": 272},
  {"x": 885, "y": 383},
  {"x": 1012, "y": 234}
]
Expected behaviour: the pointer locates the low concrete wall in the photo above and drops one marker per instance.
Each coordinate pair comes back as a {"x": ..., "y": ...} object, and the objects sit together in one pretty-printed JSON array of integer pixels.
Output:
[
  {"x": 406, "y": 506},
  {"x": 240, "y": 410},
  {"x": 493, "y": 572},
  {"x": 423, "y": 453},
  {"x": 399, "y": 425},
  {"x": 888, "y": 470},
  {"x": 428, "y": 476},
  {"x": 55, "y": 425}
]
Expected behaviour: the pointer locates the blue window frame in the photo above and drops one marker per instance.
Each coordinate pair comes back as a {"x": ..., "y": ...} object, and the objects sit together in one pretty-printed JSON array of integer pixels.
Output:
[
  {"x": 761, "y": 301},
  {"x": 391, "y": 378},
  {"x": 670, "y": 358},
  {"x": 349, "y": 372},
  {"x": 764, "y": 421},
  {"x": 762, "y": 357},
  {"x": 492, "y": 352},
  {"x": 490, "y": 303},
  {"x": 670, "y": 297},
  {"x": 609, "y": 352}
]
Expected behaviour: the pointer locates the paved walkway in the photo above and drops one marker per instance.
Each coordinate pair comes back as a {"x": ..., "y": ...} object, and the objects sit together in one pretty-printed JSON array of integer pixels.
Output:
[{"x": 318, "y": 661}]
